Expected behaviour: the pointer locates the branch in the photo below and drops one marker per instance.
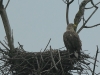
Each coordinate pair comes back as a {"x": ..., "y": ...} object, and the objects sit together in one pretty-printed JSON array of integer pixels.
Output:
[
  {"x": 4, "y": 46},
  {"x": 7, "y": 4},
  {"x": 67, "y": 11},
  {"x": 92, "y": 6},
  {"x": 61, "y": 63},
  {"x": 53, "y": 59},
  {"x": 80, "y": 13},
  {"x": 67, "y": 1},
  {"x": 6, "y": 26},
  {"x": 87, "y": 20},
  {"x": 91, "y": 26},
  {"x": 47, "y": 44},
  {"x": 95, "y": 61}
]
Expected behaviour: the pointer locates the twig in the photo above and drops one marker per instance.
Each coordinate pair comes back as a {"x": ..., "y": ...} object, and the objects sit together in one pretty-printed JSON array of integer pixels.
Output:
[
  {"x": 91, "y": 62},
  {"x": 92, "y": 6},
  {"x": 47, "y": 44},
  {"x": 61, "y": 48},
  {"x": 3, "y": 51},
  {"x": 7, "y": 4},
  {"x": 95, "y": 60},
  {"x": 4, "y": 45},
  {"x": 61, "y": 63},
  {"x": 53, "y": 59},
  {"x": 21, "y": 46},
  {"x": 67, "y": 2},
  {"x": 41, "y": 56},
  {"x": 38, "y": 65},
  {"x": 91, "y": 26}
]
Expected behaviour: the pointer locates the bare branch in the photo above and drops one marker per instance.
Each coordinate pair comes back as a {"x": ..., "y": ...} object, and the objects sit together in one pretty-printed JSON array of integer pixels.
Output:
[
  {"x": 53, "y": 59},
  {"x": 92, "y": 6},
  {"x": 67, "y": 2},
  {"x": 7, "y": 4},
  {"x": 61, "y": 63},
  {"x": 20, "y": 46},
  {"x": 4, "y": 45},
  {"x": 80, "y": 13},
  {"x": 91, "y": 26},
  {"x": 95, "y": 60},
  {"x": 6, "y": 26},
  {"x": 47, "y": 44},
  {"x": 87, "y": 20},
  {"x": 67, "y": 11}
]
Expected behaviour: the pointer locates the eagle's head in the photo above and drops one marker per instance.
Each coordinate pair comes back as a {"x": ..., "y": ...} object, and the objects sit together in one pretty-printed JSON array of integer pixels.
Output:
[{"x": 70, "y": 27}]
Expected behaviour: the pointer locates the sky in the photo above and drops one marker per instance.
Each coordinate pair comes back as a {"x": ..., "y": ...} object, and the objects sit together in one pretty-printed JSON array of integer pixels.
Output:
[{"x": 34, "y": 22}]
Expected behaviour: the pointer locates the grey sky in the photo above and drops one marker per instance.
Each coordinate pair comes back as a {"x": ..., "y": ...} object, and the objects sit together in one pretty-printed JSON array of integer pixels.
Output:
[{"x": 34, "y": 22}]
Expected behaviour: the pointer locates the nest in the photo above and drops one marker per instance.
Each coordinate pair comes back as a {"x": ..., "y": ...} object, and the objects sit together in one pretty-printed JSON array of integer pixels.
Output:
[{"x": 48, "y": 62}]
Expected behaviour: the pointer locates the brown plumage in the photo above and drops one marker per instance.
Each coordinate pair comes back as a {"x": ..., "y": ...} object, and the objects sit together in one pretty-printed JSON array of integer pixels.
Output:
[{"x": 72, "y": 41}]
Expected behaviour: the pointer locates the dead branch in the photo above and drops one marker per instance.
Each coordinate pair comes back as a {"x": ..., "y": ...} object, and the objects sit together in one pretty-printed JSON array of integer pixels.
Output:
[
  {"x": 47, "y": 44},
  {"x": 92, "y": 6},
  {"x": 6, "y": 25},
  {"x": 53, "y": 59},
  {"x": 95, "y": 60},
  {"x": 80, "y": 13},
  {"x": 4, "y": 45},
  {"x": 92, "y": 26},
  {"x": 67, "y": 9},
  {"x": 7, "y": 4},
  {"x": 87, "y": 20}
]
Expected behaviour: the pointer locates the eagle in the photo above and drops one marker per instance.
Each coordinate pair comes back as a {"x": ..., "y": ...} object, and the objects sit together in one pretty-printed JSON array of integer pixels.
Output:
[{"x": 72, "y": 41}]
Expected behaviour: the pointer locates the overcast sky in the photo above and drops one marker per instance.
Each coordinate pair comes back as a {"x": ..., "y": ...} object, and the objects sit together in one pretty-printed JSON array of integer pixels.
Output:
[{"x": 34, "y": 22}]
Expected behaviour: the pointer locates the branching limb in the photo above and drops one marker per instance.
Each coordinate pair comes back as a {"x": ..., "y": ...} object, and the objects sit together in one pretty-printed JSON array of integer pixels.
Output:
[
  {"x": 92, "y": 6},
  {"x": 87, "y": 20},
  {"x": 67, "y": 1},
  {"x": 80, "y": 13},
  {"x": 6, "y": 26}
]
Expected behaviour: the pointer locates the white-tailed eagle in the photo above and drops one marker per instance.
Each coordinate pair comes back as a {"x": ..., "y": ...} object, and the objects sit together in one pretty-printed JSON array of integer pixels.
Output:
[{"x": 72, "y": 41}]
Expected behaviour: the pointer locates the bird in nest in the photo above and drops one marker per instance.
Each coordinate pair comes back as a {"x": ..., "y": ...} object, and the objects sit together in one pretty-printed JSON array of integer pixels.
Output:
[{"x": 72, "y": 41}]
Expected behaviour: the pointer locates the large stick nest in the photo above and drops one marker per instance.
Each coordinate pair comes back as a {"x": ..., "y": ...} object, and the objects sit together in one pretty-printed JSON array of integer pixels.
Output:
[{"x": 49, "y": 62}]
